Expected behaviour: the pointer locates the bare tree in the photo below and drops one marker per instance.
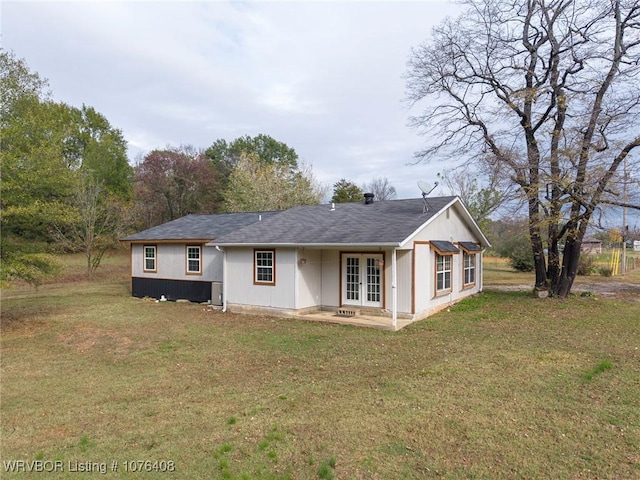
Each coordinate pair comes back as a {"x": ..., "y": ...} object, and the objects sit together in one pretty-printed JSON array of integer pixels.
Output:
[
  {"x": 381, "y": 189},
  {"x": 550, "y": 89},
  {"x": 93, "y": 225},
  {"x": 484, "y": 188}
]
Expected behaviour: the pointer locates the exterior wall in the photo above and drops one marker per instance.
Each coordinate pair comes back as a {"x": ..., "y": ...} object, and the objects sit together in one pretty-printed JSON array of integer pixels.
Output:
[
  {"x": 309, "y": 278},
  {"x": 404, "y": 259},
  {"x": 330, "y": 279},
  {"x": 591, "y": 248},
  {"x": 423, "y": 277},
  {"x": 241, "y": 289},
  {"x": 451, "y": 229},
  {"x": 171, "y": 262},
  {"x": 312, "y": 283}
]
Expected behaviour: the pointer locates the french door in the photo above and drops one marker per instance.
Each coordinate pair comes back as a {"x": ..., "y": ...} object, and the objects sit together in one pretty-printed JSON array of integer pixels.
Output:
[{"x": 362, "y": 279}]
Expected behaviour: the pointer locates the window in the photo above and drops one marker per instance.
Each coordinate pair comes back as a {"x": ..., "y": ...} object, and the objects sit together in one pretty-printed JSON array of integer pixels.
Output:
[
  {"x": 194, "y": 259},
  {"x": 443, "y": 273},
  {"x": 149, "y": 258},
  {"x": 470, "y": 254},
  {"x": 264, "y": 271},
  {"x": 469, "y": 268}
]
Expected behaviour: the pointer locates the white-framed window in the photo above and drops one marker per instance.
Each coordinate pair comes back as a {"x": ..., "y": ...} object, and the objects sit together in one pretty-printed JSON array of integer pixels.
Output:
[
  {"x": 150, "y": 260},
  {"x": 194, "y": 259},
  {"x": 264, "y": 267},
  {"x": 469, "y": 268},
  {"x": 443, "y": 273}
]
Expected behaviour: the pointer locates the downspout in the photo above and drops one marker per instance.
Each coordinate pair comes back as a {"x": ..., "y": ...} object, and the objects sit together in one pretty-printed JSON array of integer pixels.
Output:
[
  {"x": 224, "y": 278},
  {"x": 481, "y": 280},
  {"x": 394, "y": 290},
  {"x": 296, "y": 274}
]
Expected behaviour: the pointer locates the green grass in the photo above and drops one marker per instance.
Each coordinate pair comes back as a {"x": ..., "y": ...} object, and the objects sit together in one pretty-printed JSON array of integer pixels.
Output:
[
  {"x": 502, "y": 386},
  {"x": 598, "y": 369}
]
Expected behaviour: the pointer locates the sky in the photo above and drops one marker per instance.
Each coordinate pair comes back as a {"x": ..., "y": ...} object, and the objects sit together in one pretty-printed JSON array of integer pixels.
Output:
[{"x": 324, "y": 77}]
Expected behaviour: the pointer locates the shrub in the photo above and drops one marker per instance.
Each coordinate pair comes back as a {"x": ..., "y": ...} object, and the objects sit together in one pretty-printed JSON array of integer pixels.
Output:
[
  {"x": 606, "y": 271},
  {"x": 586, "y": 265},
  {"x": 521, "y": 259}
]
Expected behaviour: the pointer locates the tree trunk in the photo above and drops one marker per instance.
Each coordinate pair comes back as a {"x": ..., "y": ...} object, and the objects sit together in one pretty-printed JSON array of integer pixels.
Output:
[
  {"x": 87, "y": 254},
  {"x": 553, "y": 272},
  {"x": 536, "y": 244},
  {"x": 570, "y": 258}
]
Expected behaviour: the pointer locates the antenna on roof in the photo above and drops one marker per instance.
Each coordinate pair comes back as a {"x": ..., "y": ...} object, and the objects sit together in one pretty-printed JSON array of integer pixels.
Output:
[{"x": 424, "y": 188}]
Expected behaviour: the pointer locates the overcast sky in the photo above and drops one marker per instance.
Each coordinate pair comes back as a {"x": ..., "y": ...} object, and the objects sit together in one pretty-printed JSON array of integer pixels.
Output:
[{"x": 326, "y": 78}]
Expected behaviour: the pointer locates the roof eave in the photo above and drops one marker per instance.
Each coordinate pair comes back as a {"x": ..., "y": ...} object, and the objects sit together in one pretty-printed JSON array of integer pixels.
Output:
[
  {"x": 168, "y": 240},
  {"x": 427, "y": 222},
  {"x": 309, "y": 245},
  {"x": 484, "y": 241}
]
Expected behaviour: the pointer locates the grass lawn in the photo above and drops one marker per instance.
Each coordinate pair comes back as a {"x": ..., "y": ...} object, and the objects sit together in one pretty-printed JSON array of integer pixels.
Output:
[{"x": 501, "y": 386}]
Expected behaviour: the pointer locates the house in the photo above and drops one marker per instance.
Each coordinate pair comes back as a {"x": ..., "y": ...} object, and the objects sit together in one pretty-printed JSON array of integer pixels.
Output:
[
  {"x": 591, "y": 246},
  {"x": 395, "y": 259},
  {"x": 173, "y": 259}
]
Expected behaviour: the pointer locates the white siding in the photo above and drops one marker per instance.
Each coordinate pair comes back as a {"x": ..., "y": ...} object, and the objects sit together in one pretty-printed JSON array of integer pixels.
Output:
[
  {"x": 309, "y": 281},
  {"x": 241, "y": 289},
  {"x": 331, "y": 278},
  {"x": 405, "y": 280},
  {"x": 423, "y": 277},
  {"x": 171, "y": 262},
  {"x": 451, "y": 229}
]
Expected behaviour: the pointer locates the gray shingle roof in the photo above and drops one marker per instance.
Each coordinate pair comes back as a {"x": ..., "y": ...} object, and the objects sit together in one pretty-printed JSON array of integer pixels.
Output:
[
  {"x": 388, "y": 222},
  {"x": 199, "y": 227}
]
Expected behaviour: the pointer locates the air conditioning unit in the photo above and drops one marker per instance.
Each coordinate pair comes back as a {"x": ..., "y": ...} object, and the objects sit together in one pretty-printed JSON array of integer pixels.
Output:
[{"x": 216, "y": 293}]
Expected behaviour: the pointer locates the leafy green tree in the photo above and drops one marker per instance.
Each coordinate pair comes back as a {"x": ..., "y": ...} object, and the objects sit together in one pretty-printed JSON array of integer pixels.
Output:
[
  {"x": 35, "y": 183},
  {"x": 101, "y": 150},
  {"x": 258, "y": 186},
  {"x": 509, "y": 239},
  {"x": 45, "y": 148},
  {"x": 17, "y": 84},
  {"x": 346, "y": 192},
  {"x": 224, "y": 156}
]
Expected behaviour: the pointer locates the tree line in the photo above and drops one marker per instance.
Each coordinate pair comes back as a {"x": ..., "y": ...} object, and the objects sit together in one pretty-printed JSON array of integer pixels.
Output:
[{"x": 67, "y": 184}]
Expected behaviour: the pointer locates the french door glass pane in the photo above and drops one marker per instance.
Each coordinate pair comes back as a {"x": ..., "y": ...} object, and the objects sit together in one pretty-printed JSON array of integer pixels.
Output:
[
  {"x": 353, "y": 278},
  {"x": 373, "y": 280}
]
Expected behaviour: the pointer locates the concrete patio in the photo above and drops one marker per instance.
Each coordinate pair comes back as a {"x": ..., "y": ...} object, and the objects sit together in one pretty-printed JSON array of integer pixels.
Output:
[{"x": 360, "y": 320}]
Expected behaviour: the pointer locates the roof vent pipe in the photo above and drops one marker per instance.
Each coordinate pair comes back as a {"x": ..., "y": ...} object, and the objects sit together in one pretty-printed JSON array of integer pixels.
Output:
[{"x": 368, "y": 198}]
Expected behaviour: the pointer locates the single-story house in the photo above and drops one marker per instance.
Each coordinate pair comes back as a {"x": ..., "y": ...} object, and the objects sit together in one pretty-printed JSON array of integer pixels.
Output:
[
  {"x": 396, "y": 259},
  {"x": 591, "y": 246}
]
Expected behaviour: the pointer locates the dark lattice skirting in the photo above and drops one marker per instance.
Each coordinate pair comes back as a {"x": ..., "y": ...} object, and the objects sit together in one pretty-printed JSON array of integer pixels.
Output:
[{"x": 172, "y": 289}]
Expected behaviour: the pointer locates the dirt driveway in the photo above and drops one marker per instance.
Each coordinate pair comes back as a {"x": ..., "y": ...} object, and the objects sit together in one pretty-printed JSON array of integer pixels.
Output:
[{"x": 601, "y": 288}]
